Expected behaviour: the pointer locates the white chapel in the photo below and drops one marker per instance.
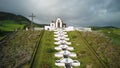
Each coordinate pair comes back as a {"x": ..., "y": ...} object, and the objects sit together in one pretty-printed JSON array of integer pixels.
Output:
[{"x": 58, "y": 23}]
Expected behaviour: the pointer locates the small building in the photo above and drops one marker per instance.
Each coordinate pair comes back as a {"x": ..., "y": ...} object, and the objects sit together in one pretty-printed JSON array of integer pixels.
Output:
[{"x": 58, "y": 23}]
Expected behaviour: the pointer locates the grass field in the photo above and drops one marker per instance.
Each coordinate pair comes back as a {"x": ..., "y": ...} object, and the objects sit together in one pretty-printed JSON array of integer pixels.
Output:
[
  {"x": 84, "y": 55},
  {"x": 45, "y": 53},
  {"x": 17, "y": 49},
  {"x": 94, "y": 49},
  {"x": 112, "y": 33},
  {"x": 104, "y": 42},
  {"x": 9, "y": 25}
]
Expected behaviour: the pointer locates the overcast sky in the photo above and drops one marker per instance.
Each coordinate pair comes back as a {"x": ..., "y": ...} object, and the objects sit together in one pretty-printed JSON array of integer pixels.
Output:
[{"x": 72, "y": 12}]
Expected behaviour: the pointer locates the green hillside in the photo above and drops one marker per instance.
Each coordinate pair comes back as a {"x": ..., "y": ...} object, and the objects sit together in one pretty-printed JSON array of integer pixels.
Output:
[
  {"x": 10, "y": 22},
  {"x": 10, "y": 25},
  {"x": 112, "y": 32}
]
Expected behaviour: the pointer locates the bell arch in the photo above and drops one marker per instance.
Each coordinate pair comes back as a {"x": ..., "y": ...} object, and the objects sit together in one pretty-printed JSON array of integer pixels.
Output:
[{"x": 59, "y": 23}]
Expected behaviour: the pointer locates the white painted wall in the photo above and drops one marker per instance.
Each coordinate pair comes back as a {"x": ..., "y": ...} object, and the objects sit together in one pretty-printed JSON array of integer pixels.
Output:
[
  {"x": 47, "y": 28},
  {"x": 83, "y": 29},
  {"x": 69, "y": 28},
  {"x": 37, "y": 28}
]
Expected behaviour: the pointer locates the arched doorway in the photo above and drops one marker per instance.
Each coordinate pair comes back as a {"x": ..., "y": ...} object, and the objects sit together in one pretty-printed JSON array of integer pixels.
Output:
[{"x": 58, "y": 24}]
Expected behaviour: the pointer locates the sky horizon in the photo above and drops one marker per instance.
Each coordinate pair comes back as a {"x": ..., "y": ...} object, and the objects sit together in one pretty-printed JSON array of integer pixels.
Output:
[{"x": 74, "y": 12}]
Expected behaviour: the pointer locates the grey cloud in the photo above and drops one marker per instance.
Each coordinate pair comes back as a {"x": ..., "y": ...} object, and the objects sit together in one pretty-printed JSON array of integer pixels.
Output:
[{"x": 73, "y": 12}]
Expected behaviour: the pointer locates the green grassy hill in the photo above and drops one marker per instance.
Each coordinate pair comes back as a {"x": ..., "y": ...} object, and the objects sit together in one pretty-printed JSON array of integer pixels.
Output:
[
  {"x": 10, "y": 25},
  {"x": 10, "y": 22},
  {"x": 112, "y": 32}
]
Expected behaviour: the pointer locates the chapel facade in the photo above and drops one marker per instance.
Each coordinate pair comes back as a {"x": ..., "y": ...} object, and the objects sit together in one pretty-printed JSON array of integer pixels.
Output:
[{"x": 58, "y": 23}]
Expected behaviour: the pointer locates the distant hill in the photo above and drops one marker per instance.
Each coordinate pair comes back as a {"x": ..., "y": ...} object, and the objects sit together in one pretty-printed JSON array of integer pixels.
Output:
[
  {"x": 10, "y": 22},
  {"x": 11, "y": 16},
  {"x": 103, "y": 27}
]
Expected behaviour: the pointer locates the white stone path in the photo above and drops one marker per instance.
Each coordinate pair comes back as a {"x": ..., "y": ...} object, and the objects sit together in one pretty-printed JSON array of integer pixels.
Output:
[{"x": 64, "y": 50}]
